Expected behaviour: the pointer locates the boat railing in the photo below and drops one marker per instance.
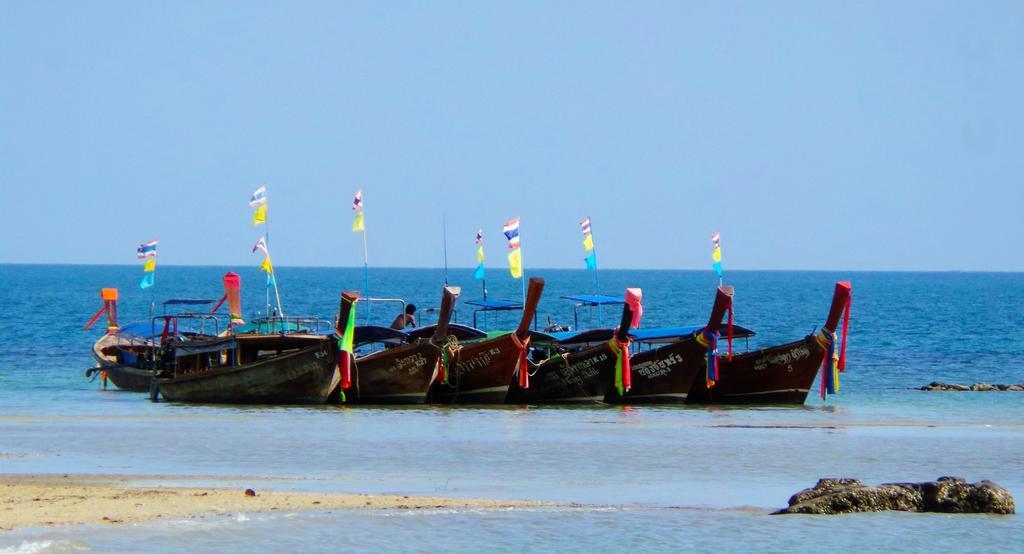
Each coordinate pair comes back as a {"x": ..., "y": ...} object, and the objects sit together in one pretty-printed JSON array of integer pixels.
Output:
[
  {"x": 200, "y": 324},
  {"x": 371, "y": 301},
  {"x": 301, "y": 324}
]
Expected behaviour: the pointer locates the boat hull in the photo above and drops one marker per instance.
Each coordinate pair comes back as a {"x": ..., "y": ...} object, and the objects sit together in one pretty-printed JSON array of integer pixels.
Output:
[
  {"x": 400, "y": 375},
  {"x": 124, "y": 377},
  {"x": 306, "y": 376},
  {"x": 662, "y": 375},
  {"x": 573, "y": 378},
  {"x": 777, "y": 375},
  {"x": 480, "y": 373}
]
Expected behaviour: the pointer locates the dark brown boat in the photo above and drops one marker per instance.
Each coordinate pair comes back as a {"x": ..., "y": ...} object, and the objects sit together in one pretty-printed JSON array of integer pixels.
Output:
[
  {"x": 776, "y": 375},
  {"x": 481, "y": 372},
  {"x": 582, "y": 376},
  {"x": 251, "y": 369},
  {"x": 126, "y": 356},
  {"x": 665, "y": 374},
  {"x": 401, "y": 374}
]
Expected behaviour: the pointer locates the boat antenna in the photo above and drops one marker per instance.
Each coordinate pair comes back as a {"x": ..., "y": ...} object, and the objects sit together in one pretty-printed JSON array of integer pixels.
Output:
[{"x": 444, "y": 231}]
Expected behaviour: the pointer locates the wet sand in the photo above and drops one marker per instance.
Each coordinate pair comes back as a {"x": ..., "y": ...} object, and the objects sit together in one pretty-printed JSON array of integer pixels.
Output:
[{"x": 47, "y": 500}]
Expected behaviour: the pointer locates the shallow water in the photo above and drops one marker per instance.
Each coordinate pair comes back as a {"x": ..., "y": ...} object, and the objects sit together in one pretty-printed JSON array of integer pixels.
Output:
[{"x": 725, "y": 467}]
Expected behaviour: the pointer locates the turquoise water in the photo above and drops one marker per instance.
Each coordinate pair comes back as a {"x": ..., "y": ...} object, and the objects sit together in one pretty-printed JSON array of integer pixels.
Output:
[{"x": 657, "y": 478}]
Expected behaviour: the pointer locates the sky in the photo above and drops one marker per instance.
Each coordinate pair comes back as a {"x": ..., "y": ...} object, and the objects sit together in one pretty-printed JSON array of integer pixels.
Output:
[{"x": 812, "y": 135}]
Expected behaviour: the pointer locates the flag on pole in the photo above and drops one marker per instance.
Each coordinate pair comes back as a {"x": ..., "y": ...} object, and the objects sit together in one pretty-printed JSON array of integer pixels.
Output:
[
  {"x": 261, "y": 245},
  {"x": 258, "y": 198},
  {"x": 511, "y": 231},
  {"x": 479, "y": 273},
  {"x": 358, "y": 224},
  {"x": 515, "y": 263},
  {"x": 147, "y": 250},
  {"x": 259, "y": 216},
  {"x": 588, "y": 244},
  {"x": 716, "y": 253},
  {"x": 267, "y": 266}
]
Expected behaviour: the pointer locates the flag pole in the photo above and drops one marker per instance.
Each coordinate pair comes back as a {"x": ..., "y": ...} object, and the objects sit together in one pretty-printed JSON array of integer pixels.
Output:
[
  {"x": 273, "y": 277},
  {"x": 152, "y": 300},
  {"x": 597, "y": 284},
  {"x": 366, "y": 273}
]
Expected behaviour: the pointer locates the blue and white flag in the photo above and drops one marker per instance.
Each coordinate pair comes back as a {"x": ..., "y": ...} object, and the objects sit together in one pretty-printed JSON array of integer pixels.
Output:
[
  {"x": 147, "y": 250},
  {"x": 259, "y": 198}
]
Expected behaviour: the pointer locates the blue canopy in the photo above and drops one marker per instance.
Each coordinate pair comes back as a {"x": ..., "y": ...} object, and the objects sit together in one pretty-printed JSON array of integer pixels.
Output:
[
  {"x": 366, "y": 334},
  {"x": 671, "y": 334},
  {"x": 595, "y": 299},
  {"x": 487, "y": 305},
  {"x": 461, "y": 332}
]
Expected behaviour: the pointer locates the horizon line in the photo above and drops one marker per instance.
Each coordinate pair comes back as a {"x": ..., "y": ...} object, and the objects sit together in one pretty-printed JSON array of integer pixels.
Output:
[{"x": 538, "y": 268}]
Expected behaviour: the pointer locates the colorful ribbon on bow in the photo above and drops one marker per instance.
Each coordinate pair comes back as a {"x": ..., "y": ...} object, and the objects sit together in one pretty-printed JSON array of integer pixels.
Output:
[
  {"x": 623, "y": 370},
  {"x": 834, "y": 363},
  {"x": 524, "y": 364},
  {"x": 709, "y": 341},
  {"x": 345, "y": 338}
]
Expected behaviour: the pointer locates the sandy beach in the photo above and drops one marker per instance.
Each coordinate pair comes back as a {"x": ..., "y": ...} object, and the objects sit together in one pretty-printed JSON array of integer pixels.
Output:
[{"x": 48, "y": 500}]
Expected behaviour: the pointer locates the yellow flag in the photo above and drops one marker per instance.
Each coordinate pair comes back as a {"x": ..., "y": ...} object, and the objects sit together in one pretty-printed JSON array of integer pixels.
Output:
[
  {"x": 150, "y": 265},
  {"x": 357, "y": 223},
  {"x": 266, "y": 266},
  {"x": 716, "y": 254},
  {"x": 260, "y": 215},
  {"x": 515, "y": 263},
  {"x": 588, "y": 243},
  {"x": 480, "y": 255}
]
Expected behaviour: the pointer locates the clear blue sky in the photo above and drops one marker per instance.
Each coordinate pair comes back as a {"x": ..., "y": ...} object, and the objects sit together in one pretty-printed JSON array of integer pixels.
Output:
[{"x": 813, "y": 135}]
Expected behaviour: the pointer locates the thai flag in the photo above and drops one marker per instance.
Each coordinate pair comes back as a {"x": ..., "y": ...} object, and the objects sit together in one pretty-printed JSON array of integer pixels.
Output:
[
  {"x": 261, "y": 245},
  {"x": 357, "y": 202},
  {"x": 479, "y": 236},
  {"x": 511, "y": 231},
  {"x": 147, "y": 250},
  {"x": 259, "y": 197},
  {"x": 585, "y": 226}
]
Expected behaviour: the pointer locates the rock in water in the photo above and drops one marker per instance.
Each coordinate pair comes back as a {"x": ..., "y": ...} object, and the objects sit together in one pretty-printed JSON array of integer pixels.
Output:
[{"x": 950, "y": 495}]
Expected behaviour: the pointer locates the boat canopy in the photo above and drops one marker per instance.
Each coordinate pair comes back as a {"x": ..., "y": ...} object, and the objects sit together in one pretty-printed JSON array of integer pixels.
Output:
[
  {"x": 674, "y": 334},
  {"x": 461, "y": 332},
  {"x": 367, "y": 334},
  {"x": 595, "y": 299}
]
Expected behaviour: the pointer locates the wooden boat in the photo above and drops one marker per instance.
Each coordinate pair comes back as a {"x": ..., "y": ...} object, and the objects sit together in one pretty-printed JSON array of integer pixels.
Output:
[
  {"x": 251, "y": 369},
  {"x": 665, "y": 374},
  {"x": 481, "y": 372},
  {"x": 780, "y": 374},
  {"x": 400, "y": 374},
  {"x": 127, "y": 356},
  {"x": 579, "y": 376}
]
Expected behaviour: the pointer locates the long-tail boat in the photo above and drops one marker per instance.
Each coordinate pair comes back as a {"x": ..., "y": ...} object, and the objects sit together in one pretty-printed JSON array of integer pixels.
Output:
[
  {"x": 399, "y": 374},
  {"x": 664, "y": 375},
  {"x": 127, "y": 355},
  {"x": 780, "y": 374},
  {"x": 585, "y": 375},
  {"x": 292, "y": 366},
  {"x": 481, "y": 372}
]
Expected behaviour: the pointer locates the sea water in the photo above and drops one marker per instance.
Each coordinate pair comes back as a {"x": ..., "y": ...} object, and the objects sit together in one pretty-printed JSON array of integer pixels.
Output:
[{"x": 652, "y": 478}]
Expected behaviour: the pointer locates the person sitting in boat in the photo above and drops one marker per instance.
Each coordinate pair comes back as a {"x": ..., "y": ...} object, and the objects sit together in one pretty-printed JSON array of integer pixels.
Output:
[{"x": 405, "y": 319}]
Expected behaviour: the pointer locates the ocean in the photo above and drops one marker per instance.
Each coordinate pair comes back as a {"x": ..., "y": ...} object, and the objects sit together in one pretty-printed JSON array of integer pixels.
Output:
[{"x": 649, "y": 478}]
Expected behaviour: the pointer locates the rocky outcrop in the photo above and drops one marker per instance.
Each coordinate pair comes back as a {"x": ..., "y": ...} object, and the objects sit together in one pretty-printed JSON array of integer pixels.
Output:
[
  {"x": 949, "y": 495},
  {"x": 939, "y": 386}
]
